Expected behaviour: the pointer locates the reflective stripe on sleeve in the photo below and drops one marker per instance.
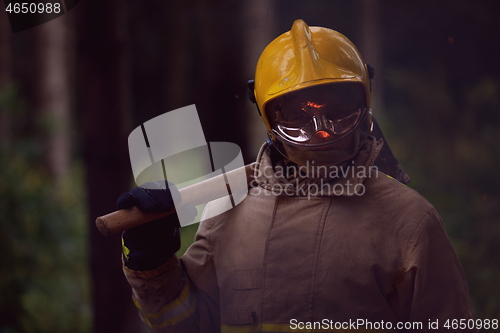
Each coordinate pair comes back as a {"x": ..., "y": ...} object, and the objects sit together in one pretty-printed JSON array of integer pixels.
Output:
[
  {"x": 126, "y": 251},
  {"x": 172, "y": 313}
]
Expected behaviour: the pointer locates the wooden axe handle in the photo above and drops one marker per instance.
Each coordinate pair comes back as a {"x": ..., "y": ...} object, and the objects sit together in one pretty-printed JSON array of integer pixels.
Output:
[{"x": 195, "y": 194}]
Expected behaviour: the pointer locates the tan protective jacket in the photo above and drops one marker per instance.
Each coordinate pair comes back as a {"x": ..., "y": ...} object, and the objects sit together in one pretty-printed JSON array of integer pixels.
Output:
[{"x": 295, "y": 259}]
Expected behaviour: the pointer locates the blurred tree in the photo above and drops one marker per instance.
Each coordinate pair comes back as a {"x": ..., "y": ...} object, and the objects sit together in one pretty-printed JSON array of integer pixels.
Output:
[
  {"x": 53, "y": 93},
  {"x": 176, "y": 50},
  {"x": 104, "y": 105},
  {"x": 5, "y": 76},
  {"x": 259, "y": 19},
  {"x": 43, "y": 272},
  {"x": 371, "y": 48},
  {"x": 442, "y": 93},
  {"x": 217, "y": 83}
]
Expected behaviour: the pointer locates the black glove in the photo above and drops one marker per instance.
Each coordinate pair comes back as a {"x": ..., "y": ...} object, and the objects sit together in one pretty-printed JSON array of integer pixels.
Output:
[{"x": 152, "y": 244}]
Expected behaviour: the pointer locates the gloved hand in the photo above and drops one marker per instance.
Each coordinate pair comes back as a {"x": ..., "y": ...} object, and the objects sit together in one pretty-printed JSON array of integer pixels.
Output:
[{"x": 152, "y": 244}]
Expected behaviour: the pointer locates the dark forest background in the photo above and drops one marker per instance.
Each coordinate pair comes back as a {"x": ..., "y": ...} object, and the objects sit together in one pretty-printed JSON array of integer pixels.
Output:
[{"x": 71, "y": 90}]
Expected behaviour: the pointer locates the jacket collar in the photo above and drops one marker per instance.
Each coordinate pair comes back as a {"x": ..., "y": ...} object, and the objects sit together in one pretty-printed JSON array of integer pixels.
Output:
[{"x": 283, "y": 177}]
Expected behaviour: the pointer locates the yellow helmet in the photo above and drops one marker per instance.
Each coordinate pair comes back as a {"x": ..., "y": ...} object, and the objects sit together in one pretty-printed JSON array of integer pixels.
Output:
[{"x": 303, "y": 61}]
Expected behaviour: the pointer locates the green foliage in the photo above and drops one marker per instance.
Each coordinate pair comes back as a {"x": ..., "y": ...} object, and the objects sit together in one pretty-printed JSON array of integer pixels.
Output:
[
  {"x": 44, "y": 279},
  {"x": 445, "y": 128},
  {"x": 187, "y": 237}
]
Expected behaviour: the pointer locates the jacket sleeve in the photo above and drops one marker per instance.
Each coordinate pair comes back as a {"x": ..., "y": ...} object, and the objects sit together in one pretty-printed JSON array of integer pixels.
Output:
[
  {"x": 434, "y": 285},
  {"x": 180, "y": 296}
]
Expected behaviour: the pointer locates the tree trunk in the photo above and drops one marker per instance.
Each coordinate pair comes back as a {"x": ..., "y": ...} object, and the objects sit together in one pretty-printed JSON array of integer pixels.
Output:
[
  {"x": 52, "y": 93},
  {"x": 5, "y": 76},
  {"x": 221, "y": 84},
  {"x": 370, "y": 48},
  {"x": 258, "y": 32},
  {"x": 177, "y": 67},
  {"x": 104, "y": 105}
]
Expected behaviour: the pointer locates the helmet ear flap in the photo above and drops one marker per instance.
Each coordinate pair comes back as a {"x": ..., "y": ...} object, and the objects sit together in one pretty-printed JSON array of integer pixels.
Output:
[{"x": 251, "y": 94}]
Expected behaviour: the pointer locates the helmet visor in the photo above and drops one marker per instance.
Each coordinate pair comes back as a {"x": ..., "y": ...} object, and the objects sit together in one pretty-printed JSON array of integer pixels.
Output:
[{"x": 317, "y": 114}]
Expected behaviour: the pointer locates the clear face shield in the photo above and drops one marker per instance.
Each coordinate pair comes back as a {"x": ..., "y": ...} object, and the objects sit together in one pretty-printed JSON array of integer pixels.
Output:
[{"x": 316, "y": 121}]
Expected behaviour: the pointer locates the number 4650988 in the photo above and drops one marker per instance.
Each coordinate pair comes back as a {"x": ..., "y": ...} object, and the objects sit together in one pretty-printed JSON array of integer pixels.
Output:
[
  {"x": 33, "y": 8},
  {"x": 462, "y": 324}
]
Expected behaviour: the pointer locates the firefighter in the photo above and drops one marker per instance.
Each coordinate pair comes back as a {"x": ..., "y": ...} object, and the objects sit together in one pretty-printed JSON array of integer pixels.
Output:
[{"x": 324, "y": 241}]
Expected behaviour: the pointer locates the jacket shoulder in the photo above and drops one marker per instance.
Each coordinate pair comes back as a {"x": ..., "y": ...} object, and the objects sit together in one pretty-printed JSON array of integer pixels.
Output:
[
  {"x": 399, "y": 206},
  {"x": 390, "y": 192}
]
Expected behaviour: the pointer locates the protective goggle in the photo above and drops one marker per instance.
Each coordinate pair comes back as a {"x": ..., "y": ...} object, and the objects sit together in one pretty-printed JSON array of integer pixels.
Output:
[
  {"x": 311, "y": 117},
  {"x": 320, "y": 125}
]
